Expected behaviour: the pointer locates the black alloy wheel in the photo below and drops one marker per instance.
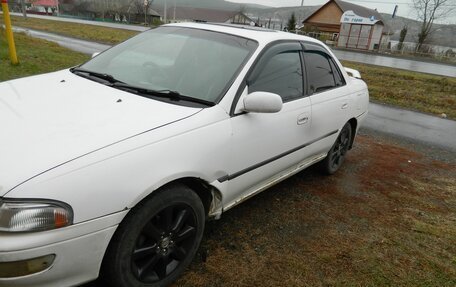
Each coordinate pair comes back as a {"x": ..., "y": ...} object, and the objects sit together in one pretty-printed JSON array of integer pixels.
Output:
[
  {"x": 336, "y": 154},
  {"x": 164, "y": 243},
  {"x": 156, "y": 241}
]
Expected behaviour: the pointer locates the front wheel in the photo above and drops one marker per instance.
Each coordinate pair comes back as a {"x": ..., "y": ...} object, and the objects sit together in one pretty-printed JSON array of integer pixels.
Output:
[
  {"x": 336, "y": 154},
  {"x": 156, "y": 241}
]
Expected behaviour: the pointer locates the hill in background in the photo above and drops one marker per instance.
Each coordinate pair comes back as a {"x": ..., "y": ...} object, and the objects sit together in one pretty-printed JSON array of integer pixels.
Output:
[
  {"x": 443, "y": 36},
  {"x": 283, "y": 13},
  {"x": 208, "y": 4}
]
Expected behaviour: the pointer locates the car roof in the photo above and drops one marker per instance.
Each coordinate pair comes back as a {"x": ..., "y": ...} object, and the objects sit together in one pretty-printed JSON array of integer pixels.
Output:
[{"x": 262, "y": 35}]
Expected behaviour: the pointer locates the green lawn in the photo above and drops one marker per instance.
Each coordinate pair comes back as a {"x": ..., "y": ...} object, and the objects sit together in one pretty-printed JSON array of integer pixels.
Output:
[
  {"x": 36, "y": 57},
  {"x": 410, "y": 90},
  {"x": 351, "y": 229},
  {"x": 81, "y": 31}
]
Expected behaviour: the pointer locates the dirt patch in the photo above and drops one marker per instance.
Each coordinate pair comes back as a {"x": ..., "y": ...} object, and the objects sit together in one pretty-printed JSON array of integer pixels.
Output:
[{"x": 388, "y": 217}]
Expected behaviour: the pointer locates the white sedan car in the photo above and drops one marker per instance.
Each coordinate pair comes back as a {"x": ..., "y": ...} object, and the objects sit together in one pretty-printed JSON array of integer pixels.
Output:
[{"x": 111, "y": 168}]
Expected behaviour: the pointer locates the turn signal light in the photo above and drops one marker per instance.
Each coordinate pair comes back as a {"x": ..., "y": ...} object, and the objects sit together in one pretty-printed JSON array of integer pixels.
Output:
[{"x": 33, "y": 215}]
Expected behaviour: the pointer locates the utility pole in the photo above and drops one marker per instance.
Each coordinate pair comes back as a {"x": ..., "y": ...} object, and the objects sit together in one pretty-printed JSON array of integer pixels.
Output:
[
  {"x": 300, "y": 14},
  {"x": 174, "y": 16},
  {"x": 24, "y": 10},
  {"x": 9, "y": 33},
  {"x": 145, "y": 12},
  {"x": 164, "y": 12}
]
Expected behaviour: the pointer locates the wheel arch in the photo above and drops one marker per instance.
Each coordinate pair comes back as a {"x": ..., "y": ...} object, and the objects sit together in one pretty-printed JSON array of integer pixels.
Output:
[
  {"x": 163, "y": 193},
  {"x": 210, "y": 196}
]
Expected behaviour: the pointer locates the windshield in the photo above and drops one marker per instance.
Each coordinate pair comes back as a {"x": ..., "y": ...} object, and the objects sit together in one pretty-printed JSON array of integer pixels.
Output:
[{"x": 196, "y": 63}]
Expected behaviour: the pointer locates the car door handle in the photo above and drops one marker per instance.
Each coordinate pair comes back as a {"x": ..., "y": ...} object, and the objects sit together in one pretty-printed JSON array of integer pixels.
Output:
[
  {"x": 344, "y": 106},
  {"x": 302, "y": 119}
]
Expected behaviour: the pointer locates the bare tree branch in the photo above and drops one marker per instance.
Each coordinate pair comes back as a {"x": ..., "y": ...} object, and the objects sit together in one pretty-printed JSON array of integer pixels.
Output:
[{"x": 427, "y": 12}]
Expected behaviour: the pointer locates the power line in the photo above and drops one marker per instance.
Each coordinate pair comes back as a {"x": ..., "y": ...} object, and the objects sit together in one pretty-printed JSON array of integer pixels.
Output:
[
  {"x": 393, "y": 3},
  {"x": 379, "y": 2}
]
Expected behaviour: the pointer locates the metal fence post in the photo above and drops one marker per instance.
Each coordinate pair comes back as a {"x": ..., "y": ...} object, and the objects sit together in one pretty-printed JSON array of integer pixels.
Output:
[{"x": 9, "y": 33}]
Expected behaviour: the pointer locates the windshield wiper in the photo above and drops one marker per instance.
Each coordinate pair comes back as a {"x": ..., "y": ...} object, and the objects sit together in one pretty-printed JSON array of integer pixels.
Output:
[
  {"x": 91, "y": 74},
  {"x": 113, "y": 82},
  {"x": 169, "y": 94}
]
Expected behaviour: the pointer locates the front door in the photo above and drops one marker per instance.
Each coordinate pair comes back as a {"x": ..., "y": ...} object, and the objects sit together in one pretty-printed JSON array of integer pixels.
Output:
[{"x": 263, "y": 144}]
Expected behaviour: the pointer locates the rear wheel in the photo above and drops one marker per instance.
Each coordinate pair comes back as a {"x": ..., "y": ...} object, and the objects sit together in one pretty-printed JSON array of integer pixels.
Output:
[
  {"x": 336, "y": 154},
  {"x": 156, "y": 241}
]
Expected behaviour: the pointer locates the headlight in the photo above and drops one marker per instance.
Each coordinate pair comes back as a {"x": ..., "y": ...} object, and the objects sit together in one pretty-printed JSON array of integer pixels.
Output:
[{"x": 19, "y": 215}]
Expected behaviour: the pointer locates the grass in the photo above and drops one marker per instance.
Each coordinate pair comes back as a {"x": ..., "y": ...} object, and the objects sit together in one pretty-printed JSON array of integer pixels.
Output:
[
  {"x": 410, "y": 90},
  {"x": 99, "y": 34},
  {"x": 36, "y": 57},
  {"x": 384, "y": 220},
  {"x": 380, "y": 221}
]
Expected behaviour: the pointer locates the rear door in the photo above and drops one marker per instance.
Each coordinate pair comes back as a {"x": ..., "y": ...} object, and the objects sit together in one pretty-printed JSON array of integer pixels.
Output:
[{"x": 329, "y": 96}]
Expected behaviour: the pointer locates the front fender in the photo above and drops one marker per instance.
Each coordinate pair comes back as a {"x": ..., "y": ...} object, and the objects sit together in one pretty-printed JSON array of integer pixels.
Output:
[{"x": 118, "y": 177}]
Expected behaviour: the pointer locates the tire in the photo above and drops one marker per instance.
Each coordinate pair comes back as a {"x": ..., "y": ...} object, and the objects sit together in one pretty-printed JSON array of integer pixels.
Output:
[
  {"x": 336, "y": 154},
  {"x": 156, "y": 241}
]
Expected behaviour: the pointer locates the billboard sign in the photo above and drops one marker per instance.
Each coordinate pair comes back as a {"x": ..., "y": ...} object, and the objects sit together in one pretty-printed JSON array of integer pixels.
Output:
[{"x": 352, "y": 18}]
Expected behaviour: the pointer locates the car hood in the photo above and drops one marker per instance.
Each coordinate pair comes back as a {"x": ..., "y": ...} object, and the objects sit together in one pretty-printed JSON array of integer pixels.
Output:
[{"x": 51, "y": 119}]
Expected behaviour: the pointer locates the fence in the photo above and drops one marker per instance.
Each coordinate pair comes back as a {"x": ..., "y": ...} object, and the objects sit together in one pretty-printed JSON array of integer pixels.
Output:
[{"x": 444, "y": 54}]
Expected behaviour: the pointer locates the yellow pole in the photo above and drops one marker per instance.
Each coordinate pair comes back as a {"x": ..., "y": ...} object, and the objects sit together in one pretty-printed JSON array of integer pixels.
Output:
[{"x": 9, "y": 33}]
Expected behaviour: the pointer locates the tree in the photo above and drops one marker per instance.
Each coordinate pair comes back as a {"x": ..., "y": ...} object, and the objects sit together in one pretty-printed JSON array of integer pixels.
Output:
[
  {"x": 291, "y": 26},
  {"x": 427, "y": 12},
  {"x": 450, "y": 53},
  {"x": 402, "y": 38},
  {"x": 103, "y": 8},
  {"x": 142, "y": 7}
]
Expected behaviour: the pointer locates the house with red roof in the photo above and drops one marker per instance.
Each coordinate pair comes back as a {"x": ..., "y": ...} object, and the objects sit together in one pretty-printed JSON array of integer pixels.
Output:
[
  {"x": 44, "y": 7},
  {"x": 44, "y": 3},
  {"x": 354, "y": 26}
]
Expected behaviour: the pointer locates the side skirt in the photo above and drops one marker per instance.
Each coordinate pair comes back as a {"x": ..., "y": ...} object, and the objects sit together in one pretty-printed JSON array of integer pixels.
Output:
[{"x": 276, "y": 179}]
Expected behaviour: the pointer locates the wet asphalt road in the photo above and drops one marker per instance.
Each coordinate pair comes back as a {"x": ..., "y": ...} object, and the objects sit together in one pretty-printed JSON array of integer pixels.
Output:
[
  {"x": 88, "y": 22},
  {"x": 366, "y": 58},
  {"x": 426, "y": 129},
  {"x": 421, "y": 127},
  {"x": 77, "y": 45},
  {"x": 394, "y": 62}
]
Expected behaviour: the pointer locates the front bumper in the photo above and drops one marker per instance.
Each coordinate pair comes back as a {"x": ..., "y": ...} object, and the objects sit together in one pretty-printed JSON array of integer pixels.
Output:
[{"x": 78, "y": 249}]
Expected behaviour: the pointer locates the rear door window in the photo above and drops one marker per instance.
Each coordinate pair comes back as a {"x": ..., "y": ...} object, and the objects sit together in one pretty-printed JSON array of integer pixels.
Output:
[
  {"x": 320, "y": 73},
  {"x": 337, "y": 75}
]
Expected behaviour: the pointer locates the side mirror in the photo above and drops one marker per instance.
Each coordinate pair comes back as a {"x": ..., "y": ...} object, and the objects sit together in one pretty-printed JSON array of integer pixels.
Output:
[
  {"x": 353, "y": 73},
  {"x": 262, "y": 102},
  {"x": 95, "y": 54}
]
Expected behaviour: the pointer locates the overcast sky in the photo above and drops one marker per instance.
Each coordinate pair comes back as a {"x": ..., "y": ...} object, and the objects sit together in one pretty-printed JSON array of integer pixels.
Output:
[{"x": 385, "y": 6}]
